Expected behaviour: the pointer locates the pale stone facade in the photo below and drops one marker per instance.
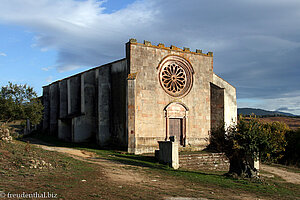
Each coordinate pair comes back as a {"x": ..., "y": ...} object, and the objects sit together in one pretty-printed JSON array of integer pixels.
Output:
[{"x": 153, "y": 93}]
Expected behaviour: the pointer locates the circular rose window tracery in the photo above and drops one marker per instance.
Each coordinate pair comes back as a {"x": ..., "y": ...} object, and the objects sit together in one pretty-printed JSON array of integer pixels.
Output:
[{"x": 175, "y": 76}]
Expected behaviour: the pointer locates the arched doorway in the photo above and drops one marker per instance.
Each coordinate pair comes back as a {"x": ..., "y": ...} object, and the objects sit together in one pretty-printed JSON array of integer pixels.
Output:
[{"x": 176, "y": 120}]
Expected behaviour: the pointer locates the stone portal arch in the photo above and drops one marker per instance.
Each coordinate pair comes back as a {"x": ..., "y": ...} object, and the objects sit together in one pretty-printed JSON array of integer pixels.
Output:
[{"x": 176, "y": 121}]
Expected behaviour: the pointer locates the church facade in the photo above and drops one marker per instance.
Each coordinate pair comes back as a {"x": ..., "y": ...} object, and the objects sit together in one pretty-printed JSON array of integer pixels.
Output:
[{"x": 153, "y": 93}]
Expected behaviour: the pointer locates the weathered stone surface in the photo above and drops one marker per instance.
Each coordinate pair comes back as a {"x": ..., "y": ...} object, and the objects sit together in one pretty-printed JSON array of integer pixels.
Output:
[
  {"x": 211, "y": 161},
  {"x": 217, "y": 106},
  {"x": 151, "y": 99},
  {"x": 230, "y": 106},
  {"x": 168, "y": 153},
  {"x": 131, "y": 104}
]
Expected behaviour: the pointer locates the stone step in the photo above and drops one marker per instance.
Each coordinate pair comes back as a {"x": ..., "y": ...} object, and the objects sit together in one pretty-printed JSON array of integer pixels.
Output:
[
  {"x": 199, "y": 163},
  {"x": 199, "y": 158},
  {"x": 204, "y": 163},
  {"x": 207, "y": 168},
  {"x": 202, "y": 155},
  {"x": 204, "y": 166},
  {"x": 203, "y": 160}
]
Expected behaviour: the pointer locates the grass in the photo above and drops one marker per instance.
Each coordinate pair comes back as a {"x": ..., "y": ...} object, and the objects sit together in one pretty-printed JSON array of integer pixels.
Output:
[
  {"x": 77, "y": 170},
  {"x": 16, "y": 176},
  {"x": 208, "y": 178}
]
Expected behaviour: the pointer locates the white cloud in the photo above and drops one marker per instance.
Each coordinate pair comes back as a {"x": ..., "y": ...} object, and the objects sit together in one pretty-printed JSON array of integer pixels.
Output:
[
  {"x": 47, "y": 68},
  {"x": 49, "y": 79},
  {"x": 2, "y": 54},
  {"x": 255, "y": 43},
  {"x": 80, "y": 31},
  {"x": 44, "y": 49},
  {"x": 287, "y": 103},
  {"x": 68, "y": 68}
]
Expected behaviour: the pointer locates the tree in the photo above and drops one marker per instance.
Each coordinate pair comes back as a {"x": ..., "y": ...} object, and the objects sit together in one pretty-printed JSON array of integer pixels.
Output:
[
  {"x": 247, "y": 141},
  {"x": 292, "y": 152},
  {"x": 19, "y": 102}
]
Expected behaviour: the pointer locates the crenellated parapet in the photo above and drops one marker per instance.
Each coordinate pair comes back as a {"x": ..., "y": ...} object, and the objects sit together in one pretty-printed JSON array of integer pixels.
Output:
[{"x": 172, "y": 47}]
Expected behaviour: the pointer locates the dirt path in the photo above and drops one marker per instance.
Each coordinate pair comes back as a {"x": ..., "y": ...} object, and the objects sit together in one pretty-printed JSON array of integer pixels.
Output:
[
  {"x": 125, "y": 174},
  {"x": 290, "y": 177},
  {"x": 115, "y": 171},
  {"x": 119, "y": 175},
  {"x": 74, "y": 152}
]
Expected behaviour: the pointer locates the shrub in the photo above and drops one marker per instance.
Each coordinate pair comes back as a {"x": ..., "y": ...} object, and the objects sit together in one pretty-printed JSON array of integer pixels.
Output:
[
  {"x": 292, "y": 151},
  {"x": 248, "y": 140}
]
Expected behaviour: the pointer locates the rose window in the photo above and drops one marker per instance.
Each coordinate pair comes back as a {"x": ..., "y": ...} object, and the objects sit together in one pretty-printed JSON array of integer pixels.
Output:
[
  {"x": 176, "y": 76},
  {"x": 173, "y": 78}
]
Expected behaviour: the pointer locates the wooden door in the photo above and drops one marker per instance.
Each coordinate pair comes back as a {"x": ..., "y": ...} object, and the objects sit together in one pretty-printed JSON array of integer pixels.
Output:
[{"x": 176, "y": 129}]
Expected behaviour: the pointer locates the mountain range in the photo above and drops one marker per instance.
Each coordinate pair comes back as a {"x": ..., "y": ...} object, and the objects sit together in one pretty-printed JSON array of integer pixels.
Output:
[{"x": 261, "y": 112}]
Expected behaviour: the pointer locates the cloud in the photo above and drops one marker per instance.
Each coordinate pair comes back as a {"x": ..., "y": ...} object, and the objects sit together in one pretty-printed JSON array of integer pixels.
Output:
[
  {"x": 284, "y": 109},
  {"x": 288, "y": 102},
  {"x": 49, "y": 79},
  {"x": 47, "y": 68},
  {"x": 80, "y": 31},
  {"x": 256, "y": 44},
  {"x": 2, "y": 54}
]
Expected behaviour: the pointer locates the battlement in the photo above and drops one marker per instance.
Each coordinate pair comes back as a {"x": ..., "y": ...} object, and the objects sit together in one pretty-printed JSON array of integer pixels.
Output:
[{"x": 172, "y": 47}]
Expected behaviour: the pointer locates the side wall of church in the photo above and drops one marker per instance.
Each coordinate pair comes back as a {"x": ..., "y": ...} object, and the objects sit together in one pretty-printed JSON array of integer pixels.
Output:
[
  {"x": 119, "y": 72},
  {"x": 78, "y": 108},
  {"x": 230, "y": 106},
  {"x": 217, "y": 106},
  {"x": 150, "y": 99},
  {"x": 54, "y": 108}
]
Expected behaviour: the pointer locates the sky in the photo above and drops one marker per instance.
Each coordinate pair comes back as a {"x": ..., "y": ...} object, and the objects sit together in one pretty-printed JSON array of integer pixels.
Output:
[{"x": 256, "y": 43}]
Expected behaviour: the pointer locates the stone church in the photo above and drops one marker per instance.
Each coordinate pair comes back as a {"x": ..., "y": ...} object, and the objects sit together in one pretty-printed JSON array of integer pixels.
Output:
[{"x": 132, "y": 103}]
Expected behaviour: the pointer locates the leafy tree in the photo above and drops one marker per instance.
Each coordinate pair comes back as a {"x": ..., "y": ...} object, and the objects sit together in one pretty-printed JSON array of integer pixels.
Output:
[
  {"x": 19, "y": 102},
  {"x": 247, "y": 141},
  {"x": 275, "y": 133},
  {"x": 292, "y": 152}
]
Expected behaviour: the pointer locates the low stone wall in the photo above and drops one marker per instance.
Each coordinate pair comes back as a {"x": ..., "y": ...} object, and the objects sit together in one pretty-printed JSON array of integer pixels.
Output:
[
  {"x": 168, "y": 153},
  {"x": 204, "y": 161}
]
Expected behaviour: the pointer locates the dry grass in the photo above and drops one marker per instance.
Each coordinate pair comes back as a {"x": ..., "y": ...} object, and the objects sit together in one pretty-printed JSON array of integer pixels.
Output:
[
  {"x": 293, "y": 123},
  {"x": 77, "y": 179}
]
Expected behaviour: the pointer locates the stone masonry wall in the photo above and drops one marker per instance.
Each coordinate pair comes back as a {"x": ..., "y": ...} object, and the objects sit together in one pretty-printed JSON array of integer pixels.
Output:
[
  {"x": 79, "y": 108},
  {"x": 230, "y": 106},
  {"x": 204, "y": 161},
  {"x": 217, "y": 106},
  {"x": 118, "y": 111},
  {"x": 151, "y": 99}
]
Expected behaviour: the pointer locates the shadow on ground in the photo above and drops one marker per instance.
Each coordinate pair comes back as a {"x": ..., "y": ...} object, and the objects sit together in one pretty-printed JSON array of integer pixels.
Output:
[{"x": 112, "y": 154}]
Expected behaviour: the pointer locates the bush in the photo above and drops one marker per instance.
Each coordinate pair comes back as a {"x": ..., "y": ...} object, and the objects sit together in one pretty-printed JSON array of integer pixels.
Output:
[
  {"x": 292, "y": 151},
  {"x": 248, "y": 140},
  {"x": 276, "y": 141}
]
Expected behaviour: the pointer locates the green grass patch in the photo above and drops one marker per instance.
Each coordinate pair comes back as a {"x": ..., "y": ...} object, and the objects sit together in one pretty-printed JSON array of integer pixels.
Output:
[
  {"x": 267, "y": 188},
  {"x": 270, "y": 187},
  {"x": 17, "y": 173}
]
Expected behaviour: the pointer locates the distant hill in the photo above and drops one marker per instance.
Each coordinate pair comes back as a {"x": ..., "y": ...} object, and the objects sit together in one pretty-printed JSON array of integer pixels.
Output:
[{"x": 261, "y": 112}]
